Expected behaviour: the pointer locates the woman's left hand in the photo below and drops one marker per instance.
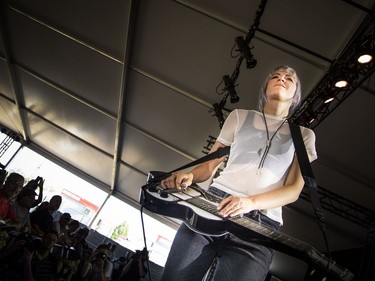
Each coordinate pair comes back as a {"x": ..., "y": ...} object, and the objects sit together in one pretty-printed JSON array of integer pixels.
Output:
[{"x": 234, "y": 206}]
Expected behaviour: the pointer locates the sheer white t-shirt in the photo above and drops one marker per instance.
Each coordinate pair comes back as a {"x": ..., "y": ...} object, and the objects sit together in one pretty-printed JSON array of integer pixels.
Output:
[{"x": 245, "y": 132}]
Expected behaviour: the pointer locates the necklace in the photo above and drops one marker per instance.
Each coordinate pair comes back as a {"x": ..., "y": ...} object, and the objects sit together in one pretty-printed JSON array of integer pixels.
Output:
[{"x": 267, "y": 144}]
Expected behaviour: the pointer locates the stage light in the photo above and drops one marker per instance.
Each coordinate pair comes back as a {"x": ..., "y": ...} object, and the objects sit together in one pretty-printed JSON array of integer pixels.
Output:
[
  {"x": 340, "y": 80},
  {"x": 309, "y": 117},
  {"x": 365, "y": 56},
  {"x": 327, "y": 98},
  {"x": 219, "y": 114},
  {"x": 244, "y": 48},
  {"x": 230, "y": 87},
  {"x": 341, "y": 83}
]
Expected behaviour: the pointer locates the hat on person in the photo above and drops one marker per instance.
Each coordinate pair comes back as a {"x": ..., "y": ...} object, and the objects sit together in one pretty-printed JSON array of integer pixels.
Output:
[{"x": 6, "y": 227}]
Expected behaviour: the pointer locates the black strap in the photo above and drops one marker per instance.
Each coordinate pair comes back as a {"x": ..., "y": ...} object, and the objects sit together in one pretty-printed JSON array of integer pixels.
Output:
[
  {"x": 308, "y": 175},
  {"x": 306, "y": 170},
  {"x": 220, "y": 152}
]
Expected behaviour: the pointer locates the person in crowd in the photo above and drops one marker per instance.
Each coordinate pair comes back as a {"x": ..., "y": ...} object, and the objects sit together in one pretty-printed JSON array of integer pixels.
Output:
[
  {"x": 70, "y": 263},
  {"x": 82, "y": 263},
  {"x": 22, "y": 206},
  {"x": 42, "y": 205},
  {"x": 44, "y": 265},
  {"x": 65, "y": 237},
  {"x": 112, "y": 251},
  {"x": 94, "y": 269},
  {"x": 4, "y": 252},
  {"x": 35, "y": 184},
  {"x": 261, "y": 175},
  {"x": 118, "y": 266},
  {"x": 42, "y": 219},
  {"x": 11, "y": 188},
  {"x": 111, "y": 259},
  {"x": 135, "y": 269},
  {"x": 16, "y": 255},
  {"x": 61, "y": 225},
  {"x": 4, "y": 229},
  {"x": 78, "y": 241}
]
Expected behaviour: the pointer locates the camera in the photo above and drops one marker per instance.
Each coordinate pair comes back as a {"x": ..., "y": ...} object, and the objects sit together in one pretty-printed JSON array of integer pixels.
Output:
[{"x": 102, "y": 256}]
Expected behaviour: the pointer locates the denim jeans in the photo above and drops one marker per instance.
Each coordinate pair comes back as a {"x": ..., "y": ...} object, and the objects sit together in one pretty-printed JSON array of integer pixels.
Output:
[{"x": 196, "y": 257}]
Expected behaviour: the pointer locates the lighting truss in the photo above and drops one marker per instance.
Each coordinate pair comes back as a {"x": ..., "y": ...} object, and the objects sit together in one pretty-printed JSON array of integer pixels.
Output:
[
  {"x": 343, "y": 207},
  {"x": 313, "y": 109}
]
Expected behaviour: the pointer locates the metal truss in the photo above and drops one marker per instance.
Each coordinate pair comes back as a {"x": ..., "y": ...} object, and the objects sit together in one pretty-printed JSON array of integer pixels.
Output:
[
  {"x": 313, "y": 109},
  {"x": 343, "y": 207}
]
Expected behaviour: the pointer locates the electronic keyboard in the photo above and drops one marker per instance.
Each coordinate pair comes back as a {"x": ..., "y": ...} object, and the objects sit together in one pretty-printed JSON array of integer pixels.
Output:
[{"x": 197, "y": 209}]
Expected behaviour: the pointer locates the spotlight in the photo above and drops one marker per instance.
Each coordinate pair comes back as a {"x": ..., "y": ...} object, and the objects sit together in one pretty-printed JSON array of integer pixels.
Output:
[
  {"x": 309, "y": 117},
  {"x": 328, "y": 97},
  {"x": 365, "y": 56},
  {"x": 230, "y": 87},
  {"x": 341, "y": 83},
  {"x": 244, "y": 48},
  {"x": 340, "y": 80}
]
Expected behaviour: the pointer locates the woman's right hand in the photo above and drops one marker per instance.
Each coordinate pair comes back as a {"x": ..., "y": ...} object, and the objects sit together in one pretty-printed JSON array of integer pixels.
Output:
[{"x": 177, "y": 180}]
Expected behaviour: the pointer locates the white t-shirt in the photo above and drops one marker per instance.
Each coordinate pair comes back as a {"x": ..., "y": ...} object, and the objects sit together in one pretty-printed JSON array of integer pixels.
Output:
[{"x": 245, "y": 132}]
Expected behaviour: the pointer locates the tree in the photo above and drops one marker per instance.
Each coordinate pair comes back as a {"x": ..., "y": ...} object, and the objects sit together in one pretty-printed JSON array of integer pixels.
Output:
[{"x": 120, "y": 231}]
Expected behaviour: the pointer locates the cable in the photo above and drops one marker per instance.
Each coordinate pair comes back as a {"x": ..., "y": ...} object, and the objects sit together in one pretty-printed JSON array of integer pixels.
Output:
[{"x": 144, "y": 240}]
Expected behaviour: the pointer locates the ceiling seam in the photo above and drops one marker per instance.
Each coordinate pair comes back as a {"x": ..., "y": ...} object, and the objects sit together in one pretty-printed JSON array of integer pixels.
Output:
[
  {"x": 120, "y": 129},
  {"x": 67, "y": 132},
  {"x": 268, "y": 34},
  {"x": 170, "y": 86},
  {"x": 64, "y": 34},
  {"x": 178, "y": 151},
  {"x": 65, "y": 92}
]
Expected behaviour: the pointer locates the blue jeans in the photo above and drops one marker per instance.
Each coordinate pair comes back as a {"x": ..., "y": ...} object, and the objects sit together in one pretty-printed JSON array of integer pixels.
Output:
[{"x": 226, "y": 258}]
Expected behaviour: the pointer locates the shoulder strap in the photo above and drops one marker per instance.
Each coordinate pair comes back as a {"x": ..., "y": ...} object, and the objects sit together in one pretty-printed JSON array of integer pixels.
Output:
[
  {"x": 306, "y": 170},
  {"x": 158, "y": 176},
  {"x": 308, "y": 175},
  {"x": 222, "y": 151}
]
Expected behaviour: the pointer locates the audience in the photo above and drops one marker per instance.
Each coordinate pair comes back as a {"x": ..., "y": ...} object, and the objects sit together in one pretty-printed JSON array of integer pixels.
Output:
[
  {"x": 44, "y": 265},
  {"x": 22, "y": 206},
  {"x": 135, "y": 269},
  {"x": 118, "y": 266},
  {"x": 60, "y": 225},
  {"x": 12, "y": 255},
  {"x": 35, "y": 184},
  {"x": 41, "y": 219},
  {"x": 112, "y": 251},
  {"x": 11, "y": 188},
  {"x": 94, "y": 269},
  {"x": 78, "y": 241},
  {"x": 34, "y": 247},
  {"x": 4, "y": 252},
  {"x": 66, "y": 236},
  {"x": 82, "y": 263}
]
